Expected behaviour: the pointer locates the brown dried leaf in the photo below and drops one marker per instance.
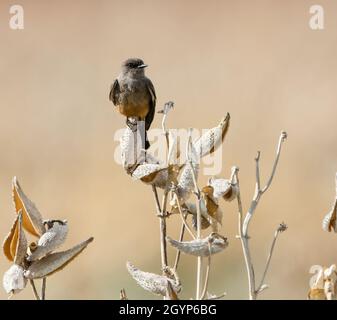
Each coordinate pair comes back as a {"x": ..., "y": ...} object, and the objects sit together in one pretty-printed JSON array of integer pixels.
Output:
[
  {"x": 15, "y": 244},
  {"x": 31, "y": 217},
  {"x": 154, "y": 283},
  {"x": 55, "y": 261}
]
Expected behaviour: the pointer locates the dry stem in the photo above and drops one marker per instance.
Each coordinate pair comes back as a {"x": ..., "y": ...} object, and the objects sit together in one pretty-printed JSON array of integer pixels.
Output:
[{"x": 243, "y": 226}]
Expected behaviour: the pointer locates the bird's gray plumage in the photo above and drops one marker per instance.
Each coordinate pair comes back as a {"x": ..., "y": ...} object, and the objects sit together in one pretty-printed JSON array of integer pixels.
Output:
[{"x": 134, "y": 94}]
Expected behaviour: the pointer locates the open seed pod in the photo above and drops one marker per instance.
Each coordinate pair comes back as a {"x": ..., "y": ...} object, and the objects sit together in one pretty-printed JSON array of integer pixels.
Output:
[
  {"x": 213, "y": 138},
  {"x": 212, "y": 244},
  {"x": 329, "y": 222},
  {"x": 15, "y": 244},
  {"x": 31, "y": 217},
  {"x": 54, "y": 262},
  {"x": 14, "y": 280},
  {"x": 316, "y": 294},
  {"x": 52, "y": 239},
  {"x": 156, "y": 174},
  {"x": 157, "y": 284},
  {"x": 130, "y": 148},
  {"x": 223, "y": 188},
  {"x": 211, "y": 203}
]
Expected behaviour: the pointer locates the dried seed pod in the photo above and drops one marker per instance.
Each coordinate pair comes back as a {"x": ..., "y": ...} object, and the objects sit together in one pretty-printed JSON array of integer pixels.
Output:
[
  {"x": 329, "y": 221},
  {"x": 316, "y": 294},
  {"x": 130, "y": 149},
  {"x": 211, "y": 203},
  {"x": 220, "y": 187},
  {"x": 52, "y": 239},
  {"x": 55, "y": 261},
  {"x": 154, "y": 283},
  {"x": 14, "y": 280},
  {"x": 156, "y": 174},
  {"x": 174, "y": 149},
  {"x": 186, "y": 183},
  {"x": 214, "y": 243},
  {"x": 213, "y": 138},
  {"x": 31, "y": 217},
  {"x": 15, "y": 244},
  {"x": 170, "y": 293},
  {"x": 204, "y": 222}
]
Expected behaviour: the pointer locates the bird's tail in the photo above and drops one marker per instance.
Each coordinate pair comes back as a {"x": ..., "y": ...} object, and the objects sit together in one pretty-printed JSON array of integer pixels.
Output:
[{"x": 147, "y": 143}]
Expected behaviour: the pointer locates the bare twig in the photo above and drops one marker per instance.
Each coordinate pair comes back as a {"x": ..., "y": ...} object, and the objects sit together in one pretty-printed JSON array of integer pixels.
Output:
[
  {"x": 181, "y": 238},
  {"x": 207, "y": 272},
  {"x": 36, "y": 295},
  {"x": 43, "y": 291},
  {"x": 163, "y": 232},
  {"x": 167, "y": 107},
  {"x": 282, "y": 227},
  {"x": 244, "y": 241},
  {"x": 243, "y": 226},
  {"x": 198, "y": 205},
  {"x": 161, "y": 213},
  {"x": 258, "y": 191},
  {"x": 123, "y": 295},
  {"x": 183, "y": 217}
]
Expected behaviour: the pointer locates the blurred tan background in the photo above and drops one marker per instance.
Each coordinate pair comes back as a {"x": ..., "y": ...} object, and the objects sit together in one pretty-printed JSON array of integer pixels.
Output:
[{"x": 258, "y": 60}]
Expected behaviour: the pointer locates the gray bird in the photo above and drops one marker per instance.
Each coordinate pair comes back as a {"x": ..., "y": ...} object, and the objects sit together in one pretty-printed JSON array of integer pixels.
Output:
[{"x": 133, "y": 94}]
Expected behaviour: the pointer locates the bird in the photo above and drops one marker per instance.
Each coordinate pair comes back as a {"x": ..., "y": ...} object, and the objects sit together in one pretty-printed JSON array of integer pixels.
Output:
[{"x": 134, "y": 95}]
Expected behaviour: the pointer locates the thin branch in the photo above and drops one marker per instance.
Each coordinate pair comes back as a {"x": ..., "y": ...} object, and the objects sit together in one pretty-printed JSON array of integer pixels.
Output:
[
  {"x": 163, "y": 245},
  {"x": 43, "y": 291},
  {"x": 198, "y": 205},
  {"x": 258, "y": 191},
  {"x": 244, "y": 242},
  {"x": 162, "y": 225},
  {"x": 282, "y": 138},
  {"x": 181, "y": 238},
  {"x": 183, "y": 218},
  {"x": 36, "y": 295},
  {"x": 207, "y": 272},
  {"x": 282, "y": 227}
]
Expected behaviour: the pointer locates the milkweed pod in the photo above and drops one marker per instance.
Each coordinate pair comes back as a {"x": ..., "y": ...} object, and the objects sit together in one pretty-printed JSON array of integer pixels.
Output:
[
  {"x": 213, "y": 138},
  {"x": 14, "y": 280},
  {"x": 130, "y": 149},
  {"x": 316, "y": 294},
  {"x": 55, "y": 261},
  {"x": 329, "y": 222},
  {"x": 31, "y": 217},
  {"x": 157, "y": 284},
  {"x": 52, "y": 239},
  {"x": 212, "y": 244},
  {"x": 156, "y": 174},
  {"x": 15, "y": 244}
]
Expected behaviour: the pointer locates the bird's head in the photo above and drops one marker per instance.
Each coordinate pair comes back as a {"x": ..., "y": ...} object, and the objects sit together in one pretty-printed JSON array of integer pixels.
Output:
[{"x": 134, "y": 66}]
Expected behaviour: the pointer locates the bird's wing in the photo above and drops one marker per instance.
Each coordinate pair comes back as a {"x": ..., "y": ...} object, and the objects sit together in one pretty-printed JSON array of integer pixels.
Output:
[
  {"x": 150, "y": 115},
  {"x": 114, "y": 92}
]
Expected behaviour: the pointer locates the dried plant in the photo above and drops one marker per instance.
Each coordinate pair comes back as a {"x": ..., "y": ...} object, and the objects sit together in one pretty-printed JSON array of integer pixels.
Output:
[
  {"x": 38, "y": 259},
  {"x": 324, "y": 286},
  {"x": 199, "y": 208}
]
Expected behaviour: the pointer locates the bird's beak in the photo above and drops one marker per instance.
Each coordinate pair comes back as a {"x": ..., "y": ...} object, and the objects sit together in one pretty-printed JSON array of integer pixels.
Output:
[{"x": 142, "y": 66}]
